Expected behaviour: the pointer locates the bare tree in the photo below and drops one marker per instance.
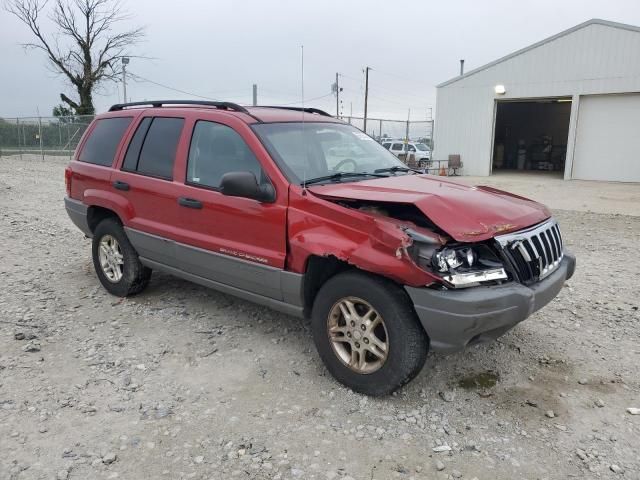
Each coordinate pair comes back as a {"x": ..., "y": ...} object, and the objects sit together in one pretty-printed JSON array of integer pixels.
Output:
[{"x": 86, "y": 48}]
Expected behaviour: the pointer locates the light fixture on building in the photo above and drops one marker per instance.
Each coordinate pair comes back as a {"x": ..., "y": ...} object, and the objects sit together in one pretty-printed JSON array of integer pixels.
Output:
[{"x": 499, "y": 89}]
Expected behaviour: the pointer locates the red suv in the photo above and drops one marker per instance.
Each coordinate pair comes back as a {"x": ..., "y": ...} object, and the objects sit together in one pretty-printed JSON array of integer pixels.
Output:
[{"x": 298, "y": 211}]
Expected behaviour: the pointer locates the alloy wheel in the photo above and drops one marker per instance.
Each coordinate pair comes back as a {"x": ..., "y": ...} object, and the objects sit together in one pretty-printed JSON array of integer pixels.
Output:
[
  {"x": 358, "y": 335},
  {"x": 111, "y": 258}
]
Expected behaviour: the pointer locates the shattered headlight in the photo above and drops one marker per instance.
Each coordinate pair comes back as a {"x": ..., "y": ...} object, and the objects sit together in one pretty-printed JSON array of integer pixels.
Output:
[
  {"x": 459, "y": 266},
  {"x": 452, "y": 258}
]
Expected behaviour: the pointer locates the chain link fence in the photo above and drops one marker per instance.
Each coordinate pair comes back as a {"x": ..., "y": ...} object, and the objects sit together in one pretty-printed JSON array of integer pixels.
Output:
[
  {"x": 59, "y": 136},
  {"x": 381, "y": 129},
  {"x": 51, "y": 136}
]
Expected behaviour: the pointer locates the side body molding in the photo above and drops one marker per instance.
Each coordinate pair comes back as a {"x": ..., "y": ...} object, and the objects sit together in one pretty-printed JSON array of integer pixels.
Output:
[{"x": 263, "y": 284}]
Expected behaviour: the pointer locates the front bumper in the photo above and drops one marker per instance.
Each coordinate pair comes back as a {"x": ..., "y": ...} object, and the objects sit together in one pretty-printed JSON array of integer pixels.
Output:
[{"x": 454, "y": 319}]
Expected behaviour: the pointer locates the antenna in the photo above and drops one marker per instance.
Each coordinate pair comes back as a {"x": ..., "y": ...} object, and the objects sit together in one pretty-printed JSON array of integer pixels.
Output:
[{"x": 304, "y": 143}]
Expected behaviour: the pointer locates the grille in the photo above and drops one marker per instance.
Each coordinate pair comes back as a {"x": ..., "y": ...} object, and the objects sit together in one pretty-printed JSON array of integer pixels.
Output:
[{"x": 534, "y": 253}]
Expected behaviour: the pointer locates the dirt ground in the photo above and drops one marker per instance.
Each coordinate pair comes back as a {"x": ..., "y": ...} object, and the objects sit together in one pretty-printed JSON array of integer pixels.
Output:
[
  {"x": 182, "y": 382},
  {"x": 552, "y": 190}
]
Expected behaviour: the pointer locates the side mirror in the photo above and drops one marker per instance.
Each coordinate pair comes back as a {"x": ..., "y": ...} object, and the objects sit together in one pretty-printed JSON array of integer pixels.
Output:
[{"x": 245, "y": 184}]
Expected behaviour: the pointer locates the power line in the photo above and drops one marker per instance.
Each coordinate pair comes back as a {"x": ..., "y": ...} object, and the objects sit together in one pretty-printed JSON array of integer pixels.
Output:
[
  {"x": 394, "y": 97},
  {"x": 402, "y": 77},
  {"x": 138, "y": 77},
  {"x": 390, "y": 90},
  {"x": 308, "y": 100},
  {"x": 142, "y": 79}
]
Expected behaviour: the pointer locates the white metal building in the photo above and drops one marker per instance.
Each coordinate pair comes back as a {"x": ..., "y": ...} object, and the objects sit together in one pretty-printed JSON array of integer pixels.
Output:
[{"x": 569, "y": 104}]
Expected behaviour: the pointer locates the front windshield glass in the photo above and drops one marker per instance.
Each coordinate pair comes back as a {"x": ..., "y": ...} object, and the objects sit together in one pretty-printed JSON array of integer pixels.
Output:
[
  {"x": 311, "y": 150},
  {"x": 422, "y": 147}
]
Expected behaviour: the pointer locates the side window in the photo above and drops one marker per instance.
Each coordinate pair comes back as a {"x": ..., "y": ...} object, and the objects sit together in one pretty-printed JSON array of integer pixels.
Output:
[
  {"x": 215, "y": 150},
  {"x": 103, "y": 141},
  {"x": 397, "y": 146},
  {"x": 159, "y": 148},
  {"x": 130, "y": 163},
  {"x": 152, "y": 150}
]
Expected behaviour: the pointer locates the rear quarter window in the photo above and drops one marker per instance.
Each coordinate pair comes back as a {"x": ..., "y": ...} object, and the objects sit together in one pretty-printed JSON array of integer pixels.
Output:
[{"x": 102, "y": 144}]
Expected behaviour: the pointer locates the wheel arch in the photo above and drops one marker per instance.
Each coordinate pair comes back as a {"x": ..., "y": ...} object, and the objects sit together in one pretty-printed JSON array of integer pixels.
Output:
[
  {"x": 103, "y": 204},
  {"x": 96, "y": 214},
  {"x": 318, "y": 270}
]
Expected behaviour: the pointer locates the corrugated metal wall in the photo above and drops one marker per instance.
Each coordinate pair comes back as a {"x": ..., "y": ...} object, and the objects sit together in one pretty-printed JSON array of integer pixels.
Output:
[{"x": 595, "y": 59}]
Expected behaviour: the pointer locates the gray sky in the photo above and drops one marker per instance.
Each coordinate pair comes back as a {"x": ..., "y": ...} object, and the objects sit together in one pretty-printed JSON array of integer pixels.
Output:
[{"x": 219, "y": 48}]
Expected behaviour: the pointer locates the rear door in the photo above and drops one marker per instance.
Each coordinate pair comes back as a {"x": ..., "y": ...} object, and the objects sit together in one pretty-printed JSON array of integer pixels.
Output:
[
  {"x": 93, "y": 167},
  {"x": 235, "y": 241},
  {"x": 146, "y": 179}
]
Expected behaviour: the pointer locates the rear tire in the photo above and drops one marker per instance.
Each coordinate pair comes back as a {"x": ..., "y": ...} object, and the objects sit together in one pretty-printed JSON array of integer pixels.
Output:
[
  {"x": 116, "y": 261},
  {"x": 367, "y": 333}
]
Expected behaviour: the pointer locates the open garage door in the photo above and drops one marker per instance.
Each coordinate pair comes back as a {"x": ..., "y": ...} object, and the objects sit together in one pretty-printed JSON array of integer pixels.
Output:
[
  {"x": 608, "y": 138},
  {"x": 531, "y": 135}
]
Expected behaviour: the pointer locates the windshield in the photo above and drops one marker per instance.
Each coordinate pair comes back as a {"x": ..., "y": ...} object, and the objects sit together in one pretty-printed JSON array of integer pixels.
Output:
[{"x": 311, "y": 150}]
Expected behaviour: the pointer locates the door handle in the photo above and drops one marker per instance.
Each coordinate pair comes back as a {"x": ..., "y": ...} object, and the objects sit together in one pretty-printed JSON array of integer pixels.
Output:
[
  {"x": 121, "y": 185},
  {"x": 189, "y": 202}
]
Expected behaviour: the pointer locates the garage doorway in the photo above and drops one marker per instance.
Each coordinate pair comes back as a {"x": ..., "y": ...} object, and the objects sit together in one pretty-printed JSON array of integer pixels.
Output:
[{"x": 531, "y": 136}]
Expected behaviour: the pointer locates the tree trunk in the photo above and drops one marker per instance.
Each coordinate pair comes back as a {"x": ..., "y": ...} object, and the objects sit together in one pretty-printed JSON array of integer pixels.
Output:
[{"x": 86, "y": 101}]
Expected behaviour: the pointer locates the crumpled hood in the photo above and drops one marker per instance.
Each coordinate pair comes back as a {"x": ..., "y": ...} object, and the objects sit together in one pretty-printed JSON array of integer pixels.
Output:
[{"x": 466, "y": 213}]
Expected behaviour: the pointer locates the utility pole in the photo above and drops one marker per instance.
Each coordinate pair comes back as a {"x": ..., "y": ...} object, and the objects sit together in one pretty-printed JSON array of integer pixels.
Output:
[
  {"x": 335, "y": 88},
  {"x": 125, "y": 62},
  {"x": 430, "y": 120},
  {"x": 366, "y": 96},
  {"x": 461, "y": 67},
  {"x": 255, "y": 94},
  {"x": 407, "y": 132},
  {"x": 406, "y": 138}
]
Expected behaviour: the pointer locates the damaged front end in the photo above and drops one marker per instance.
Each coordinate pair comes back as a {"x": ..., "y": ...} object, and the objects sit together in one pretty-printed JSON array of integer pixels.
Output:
[
  {"x": 458, "y": 265},
  {"x": 453, "y": 264}
]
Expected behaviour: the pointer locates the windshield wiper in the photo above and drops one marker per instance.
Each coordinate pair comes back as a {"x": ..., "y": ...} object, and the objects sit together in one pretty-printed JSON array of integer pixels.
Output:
[
  {"x": 341, "y": 175},
  {"x": 397, "y": 169}
]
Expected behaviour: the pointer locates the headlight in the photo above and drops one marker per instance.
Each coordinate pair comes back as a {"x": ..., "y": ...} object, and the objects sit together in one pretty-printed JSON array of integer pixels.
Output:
[
  {"x": 459, "y": 266},
  {"x": 450, "y": 258}
]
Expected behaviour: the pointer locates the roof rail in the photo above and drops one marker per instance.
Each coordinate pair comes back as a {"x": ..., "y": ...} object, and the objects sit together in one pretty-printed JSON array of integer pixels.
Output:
[
  {"x": 159, "y": 103},
  {"x": 299, "y": 109}
]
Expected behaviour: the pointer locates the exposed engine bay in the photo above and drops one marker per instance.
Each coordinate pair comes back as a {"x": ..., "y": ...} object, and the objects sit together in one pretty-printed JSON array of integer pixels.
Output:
[{"x": 399, "y": 211}]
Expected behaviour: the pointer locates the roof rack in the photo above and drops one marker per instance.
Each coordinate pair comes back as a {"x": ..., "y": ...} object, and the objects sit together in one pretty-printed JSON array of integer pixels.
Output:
[
  {"x": 299, "y": 109},
  {"x": 159, "y": 103}
]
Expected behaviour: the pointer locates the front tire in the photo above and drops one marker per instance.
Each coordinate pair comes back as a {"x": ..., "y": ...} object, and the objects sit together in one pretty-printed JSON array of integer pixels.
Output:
[
  {"x": 116, "y": 261},
  {"x": 367, "y": 333}
]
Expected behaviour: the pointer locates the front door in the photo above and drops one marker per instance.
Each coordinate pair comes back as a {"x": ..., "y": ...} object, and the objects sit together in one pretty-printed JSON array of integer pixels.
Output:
[{"x": 235, "y": 241}]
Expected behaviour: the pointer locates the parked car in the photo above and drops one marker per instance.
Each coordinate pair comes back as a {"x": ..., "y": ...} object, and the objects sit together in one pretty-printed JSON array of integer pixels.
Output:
[
  {"x": 387, "y": 263},
  {"x": 399, "y": 147}
]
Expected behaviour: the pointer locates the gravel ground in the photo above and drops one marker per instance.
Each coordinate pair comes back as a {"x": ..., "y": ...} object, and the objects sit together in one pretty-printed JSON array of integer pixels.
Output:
[{"x": 183, "y": 382}]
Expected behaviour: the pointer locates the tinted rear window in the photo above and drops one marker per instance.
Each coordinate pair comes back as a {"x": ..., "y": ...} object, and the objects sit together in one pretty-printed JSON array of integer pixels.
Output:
[
  {"x": 103, "y": 141},
  {"x": 159, "y": 149}
]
